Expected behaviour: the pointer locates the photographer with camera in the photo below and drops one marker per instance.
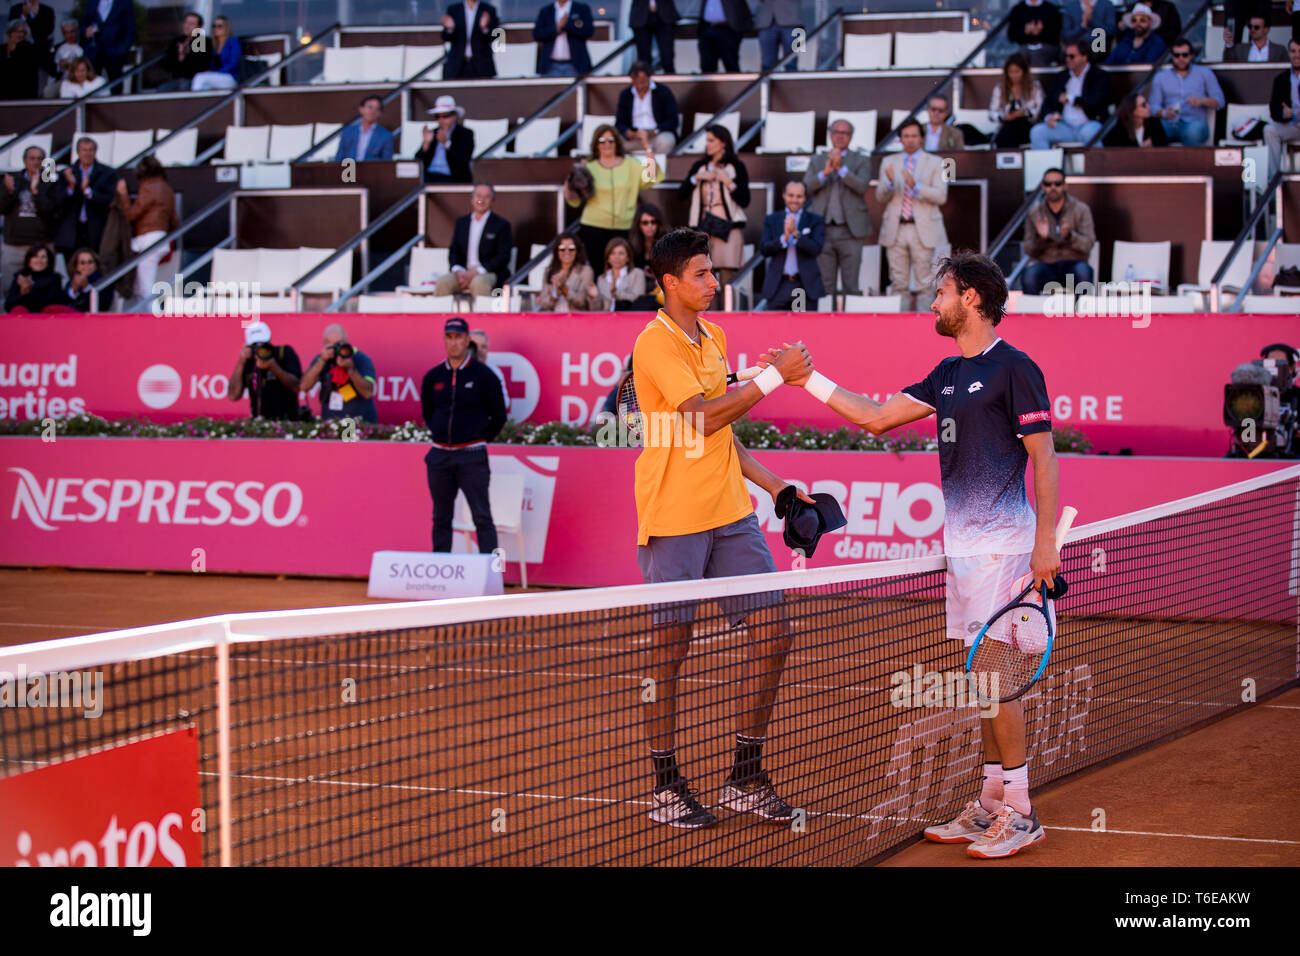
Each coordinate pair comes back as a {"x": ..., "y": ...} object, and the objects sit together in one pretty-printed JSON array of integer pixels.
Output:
[
  {"x": 346, "y": 375},
  {"x": 1262, "y": 405},
  {"x": 269, "y": 373}
]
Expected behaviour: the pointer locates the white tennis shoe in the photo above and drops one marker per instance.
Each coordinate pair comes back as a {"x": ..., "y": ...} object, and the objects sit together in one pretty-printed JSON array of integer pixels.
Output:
[
  {"x": 969, "y": 825},
  {"x": 1008, "y": 834}
]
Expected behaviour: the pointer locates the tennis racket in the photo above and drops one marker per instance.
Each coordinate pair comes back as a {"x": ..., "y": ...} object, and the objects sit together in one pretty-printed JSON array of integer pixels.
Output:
[
  {"x": 629, "y": 410},
  {"x": 1011, "y": 650}
]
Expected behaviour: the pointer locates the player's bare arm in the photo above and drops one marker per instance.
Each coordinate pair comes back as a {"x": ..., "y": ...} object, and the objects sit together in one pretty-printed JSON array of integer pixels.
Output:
[
  {"x": 765, "y": 478},
  {"x": 1045, "y": 562},
  {"x": 794, "y": 364}
]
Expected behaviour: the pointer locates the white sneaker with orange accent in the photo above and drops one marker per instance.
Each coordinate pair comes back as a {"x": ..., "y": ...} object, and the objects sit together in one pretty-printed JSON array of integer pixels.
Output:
[
  {"x": 971, "y": 824},
  {"x": 1008, "y": 834}
]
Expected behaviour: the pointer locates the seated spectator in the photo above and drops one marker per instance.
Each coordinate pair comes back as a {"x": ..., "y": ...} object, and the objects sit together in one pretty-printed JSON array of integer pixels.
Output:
[
  {"x": 940, "y": 135},
  {"x": 108, "y": 33},
  {"x": 718, "y": 186},
  {"x": 40, "y": 22},
  {"x": 65, "y": 54},
  {"x": 480, "y": 248},
  {"x": 447, "y": 149},
  {"x": 36, "y": 285},
  {"x": 1076, "y": 102},
  {"x": 269, "y": 373},
  {"x": 1016, "y": 101},
  {"x": 1058, "y": 237},
  {"x": 1258, "y": 48},
  {"x": 1138, "y": 41},
  {"x": 1036, "y": 26},
  {"x": 562, "y": 30},
  {"x": 365, "y": 139},
  {"x": 83, "y": 272},
  {"x": 81, "y": 80},
  {"x": 568, "y": 277},
  {"x": 793, "y": 238},
  {"x": 1171, "y": 21},
  {"x": 226, "y": 54},
  {"x": 28, "y": 205},
  {"x": 152, "y": 215},
  {"x": 1080, "y": 19},
  {"x": 346, "y": 375},
  {"x": 82, "y": 200},
  {"x": 621, "y": 283},
  {"x": 1186, "y": 98},
  {"x": 20, "y": 64},
  {"x": 1284, "y": 108},
  {"x": 617, "y": 181},
  {"x": 1135, "y": 126},
  {"x": 186, "y": 56},
  {"x": 646, "y": 117}
]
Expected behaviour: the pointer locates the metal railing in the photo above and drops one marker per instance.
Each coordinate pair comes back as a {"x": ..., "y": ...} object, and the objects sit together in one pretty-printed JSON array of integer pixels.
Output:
[
  {"x": 363, "y": 284},
  {"x": 1247, "y": 234},
  {"x": 731, "y": 291}
]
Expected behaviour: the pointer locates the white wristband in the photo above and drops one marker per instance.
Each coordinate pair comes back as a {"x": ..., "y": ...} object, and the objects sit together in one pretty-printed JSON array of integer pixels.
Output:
[
  {"x": 769, "y": 380},
  {"x": 820, "y": 387}
]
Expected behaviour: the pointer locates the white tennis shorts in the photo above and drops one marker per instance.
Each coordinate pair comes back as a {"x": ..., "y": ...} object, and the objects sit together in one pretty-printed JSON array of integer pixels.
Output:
[{"x": 981, "y": 585}]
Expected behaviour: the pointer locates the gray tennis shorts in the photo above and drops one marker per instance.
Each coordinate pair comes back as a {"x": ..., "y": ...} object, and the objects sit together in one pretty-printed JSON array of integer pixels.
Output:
[{"x": 736, "y": 548}]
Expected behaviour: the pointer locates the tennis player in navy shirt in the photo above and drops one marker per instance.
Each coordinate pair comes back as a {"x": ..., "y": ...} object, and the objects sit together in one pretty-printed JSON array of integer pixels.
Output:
[{"x": 994, "y": 417}]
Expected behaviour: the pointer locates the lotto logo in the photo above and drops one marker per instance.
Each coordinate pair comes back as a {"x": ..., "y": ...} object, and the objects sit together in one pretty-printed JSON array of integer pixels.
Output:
[{"x": 975, "y": 387}]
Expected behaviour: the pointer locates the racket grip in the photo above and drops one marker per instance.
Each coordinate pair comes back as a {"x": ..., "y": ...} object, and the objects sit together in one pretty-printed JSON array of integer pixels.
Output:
[
  {"x": 1068, "y": 514},
  {"x": 745, "y": 374}
]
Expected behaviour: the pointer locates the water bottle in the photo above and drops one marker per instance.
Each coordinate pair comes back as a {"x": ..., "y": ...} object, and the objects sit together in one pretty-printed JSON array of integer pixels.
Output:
[{"x": 1128, "y": 274}]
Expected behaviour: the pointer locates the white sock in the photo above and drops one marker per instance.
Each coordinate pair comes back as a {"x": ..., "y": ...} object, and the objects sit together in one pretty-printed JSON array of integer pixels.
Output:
[
  {"x": 991, "y": 792},
  {"x": 1015, "y": 782}
]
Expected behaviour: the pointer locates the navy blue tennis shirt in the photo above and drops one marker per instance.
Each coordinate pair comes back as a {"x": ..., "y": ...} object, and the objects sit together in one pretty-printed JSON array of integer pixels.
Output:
[{"x": 986, "y": 404}]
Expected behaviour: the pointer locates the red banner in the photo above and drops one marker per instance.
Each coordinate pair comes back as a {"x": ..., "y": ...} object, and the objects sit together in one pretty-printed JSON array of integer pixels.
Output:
[
  {"x": 1156, "y": 390},
  {"x": 133, "y": 805}
]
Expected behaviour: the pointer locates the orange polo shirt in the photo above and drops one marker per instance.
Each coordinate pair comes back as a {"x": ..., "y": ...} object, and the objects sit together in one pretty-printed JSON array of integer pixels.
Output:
[{"x": 684, "y": 482}]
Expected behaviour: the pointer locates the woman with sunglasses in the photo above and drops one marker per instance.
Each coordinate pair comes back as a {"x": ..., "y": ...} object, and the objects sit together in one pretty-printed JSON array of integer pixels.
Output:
[
  {"x": 568, "y": 278},
  {"x": 621, "y": 284},
  {"x": 618, "y": 180},
  {"x": 718, "y": 187},
  {"x": 649, "y": 227},
  {"x": 1135, "y": 127}
]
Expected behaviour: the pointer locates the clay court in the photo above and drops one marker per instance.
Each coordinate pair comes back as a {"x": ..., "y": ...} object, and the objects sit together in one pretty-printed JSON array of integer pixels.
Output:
[{"x": 1223, "y": 794}]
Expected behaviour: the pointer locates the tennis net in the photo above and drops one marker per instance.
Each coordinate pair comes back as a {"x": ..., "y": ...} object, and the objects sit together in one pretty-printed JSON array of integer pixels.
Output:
[{"x": 512, "y": 730}]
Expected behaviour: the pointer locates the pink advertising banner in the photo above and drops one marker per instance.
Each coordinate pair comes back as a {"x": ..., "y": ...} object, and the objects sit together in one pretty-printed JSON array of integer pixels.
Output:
[
  {"x": 1155, "y": 390},
  {"x": 324, "y": 507}
]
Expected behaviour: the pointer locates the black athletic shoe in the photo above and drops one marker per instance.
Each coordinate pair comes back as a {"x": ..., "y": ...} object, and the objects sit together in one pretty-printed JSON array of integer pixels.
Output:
[{"x": 677, "y": 807}]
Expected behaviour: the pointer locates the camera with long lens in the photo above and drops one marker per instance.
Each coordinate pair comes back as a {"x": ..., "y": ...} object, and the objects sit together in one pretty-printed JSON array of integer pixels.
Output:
[
  {"x": 264, "y": 351},
  {"x": 343, "y": 350},
  {"x": 1262, "y": 406}
]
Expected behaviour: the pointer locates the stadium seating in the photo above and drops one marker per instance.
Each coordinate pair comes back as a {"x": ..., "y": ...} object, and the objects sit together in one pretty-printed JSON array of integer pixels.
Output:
[
  {"x": 730, "y": 120},
  {"x": 940, "y": 48},
  {"x": 788, "y": 132},
  {"x": 1213, "y": 252},
  {"x": 864, "y": 128},
  {"x": 1150, "y": 262},
  {"x": 867, "y": 51},
  {"x": 12, "y": 157}
]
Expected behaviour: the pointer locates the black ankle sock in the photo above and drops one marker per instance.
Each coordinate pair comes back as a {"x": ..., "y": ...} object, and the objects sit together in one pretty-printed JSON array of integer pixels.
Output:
[
  {"x": 665, "y": 764},
  {"x": 748, "y": 761}
]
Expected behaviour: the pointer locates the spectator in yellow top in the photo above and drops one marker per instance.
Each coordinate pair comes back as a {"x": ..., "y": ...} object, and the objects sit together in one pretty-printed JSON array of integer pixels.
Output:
[{"x": 618, "y": 180}]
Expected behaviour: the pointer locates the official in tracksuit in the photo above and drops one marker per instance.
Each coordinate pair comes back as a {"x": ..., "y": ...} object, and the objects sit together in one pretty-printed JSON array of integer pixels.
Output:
[{"x": 464, "y": 407}]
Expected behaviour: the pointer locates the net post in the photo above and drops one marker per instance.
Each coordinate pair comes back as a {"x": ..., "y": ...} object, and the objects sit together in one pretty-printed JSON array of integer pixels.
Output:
[{"x": 223, "y": 741}]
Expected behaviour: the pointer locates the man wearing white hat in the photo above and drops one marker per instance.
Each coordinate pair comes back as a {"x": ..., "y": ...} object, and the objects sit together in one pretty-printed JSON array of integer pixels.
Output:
[
  {"x": 269, "y": 373},
  {"x": 1138, "y": 40},
  {"x": 365, "y": 139},
  {"x": 448, "y": 147}
]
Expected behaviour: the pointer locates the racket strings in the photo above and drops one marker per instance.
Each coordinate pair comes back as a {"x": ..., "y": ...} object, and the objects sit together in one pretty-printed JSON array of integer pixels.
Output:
[{"x": 1010, "y": 652}]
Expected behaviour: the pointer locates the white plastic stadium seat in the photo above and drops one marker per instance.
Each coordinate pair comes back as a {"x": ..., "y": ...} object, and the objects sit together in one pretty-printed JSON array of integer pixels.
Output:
[
  {"x": 1150, "y": 261},
  {"x": 128, "y": 144},
  {"x": 1020, "y": 304},
  {"x": 864, "y": 127},
  {"x": 977, "y": 118},
  {"x": 506, "y": 499},
  {"x": 867, "y": 51},
  {"x": 536, "y": 136},
  {"x": 381, "y": 64},
  {"x": 516, "y": 59},
  {"x": 321, "y": 131},
  {"x": 873, "y": 303},
  {"x": 424, "y": 267},
  {"x": 246, "y": 143},
  {"x": 411, "y": 137},
  {"x": 486, "y": 132},
  {"x": 1238, "y": 113},
  {"x": 598, "y": 50},
  {"x": 1271, "y": 304},
  {"x": 936, "y": 49},
  {"x": 398, "y": 304},
  {"x": 416, "y": 58},
  {"x": 1213, "y": 252},
  {"x": 730, "y": 120},
  {"x": 287, "y": 143},
  {"x": 789, "y": 132},
  {"x": 234, "y": 265},
  {"x": 1038, "y": 162},
  {"x": 277, "y": 269},
  {"x": 13, "y": 155},
  {"x": 869, "y": 271},
  {"x": 337, "y": 276},
  {"x": 493, "y": 303},
  {"x": 179, "y": 151},
  {"x": 343, "y": 64},
  {"x": 537, "y": 274}
]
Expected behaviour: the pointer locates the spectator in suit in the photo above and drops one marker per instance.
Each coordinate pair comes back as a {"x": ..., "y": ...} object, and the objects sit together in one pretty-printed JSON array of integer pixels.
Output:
[
  {"x": 1059, "y": 235},
  {"x": 1238, "y": 13},
  {"x": 1171, "y": 21},
  {"x": 36, "y": 285},
  {"x": 40, "y": 23},
  {"x": 1015, "y": 102},
  {"x": 1258, "y": 48},
  {"x": 83, "y": 272},
  {"x": 152, "y": 215},
  {"x": 620, "y": 283},
  {"x": 567, "y": 279},
  {"x": 447, "y": 150},
  {"x": 646, "y": 116},
  {"x": 20, "y": 64},
  {"x": 365, "y": 139},
  {"x": 1081, "y": 18},
  {"x": 1076, "y": 101},
  {"x": 186, "y": 56},
  {"x": 1186, "y": 98},
  {"x": 723, "y": 24},
  {"x": 81, "y": 80},
  {"x": 346, "y": 375},
  {"x": 480, "y": 248},
  {"x": 654, "y": 20},
  {"x": 793, "y": 238},
  {"x": 108, "y": 30},
  {"x": 1135, "y": 126},
  {"x": 83, "y": 197},
  {"x": 912, "y": 188},
  {"x": 562, "y": 30},
  {"x": 836, "y": 182},
  {"x": 776, "y": 20},
  {"x": 618, "y": 180},
  {"x": 1284, "y": 108},
  {"x": 940, "y": 135},
  {"x": 718, "y": 186},
  {"x": 28, "y": 204},
  {"x": 226, "y": 54},
  {"x": 1036, "y": 26},
  {"x": 479, "y": 343},
  {"x": 1138, "y": 40},
  {"x": 467, "y": 27}
]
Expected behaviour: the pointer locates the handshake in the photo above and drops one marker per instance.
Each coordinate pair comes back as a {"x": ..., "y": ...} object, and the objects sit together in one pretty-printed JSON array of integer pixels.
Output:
[{"x": 788, "y": 365}]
